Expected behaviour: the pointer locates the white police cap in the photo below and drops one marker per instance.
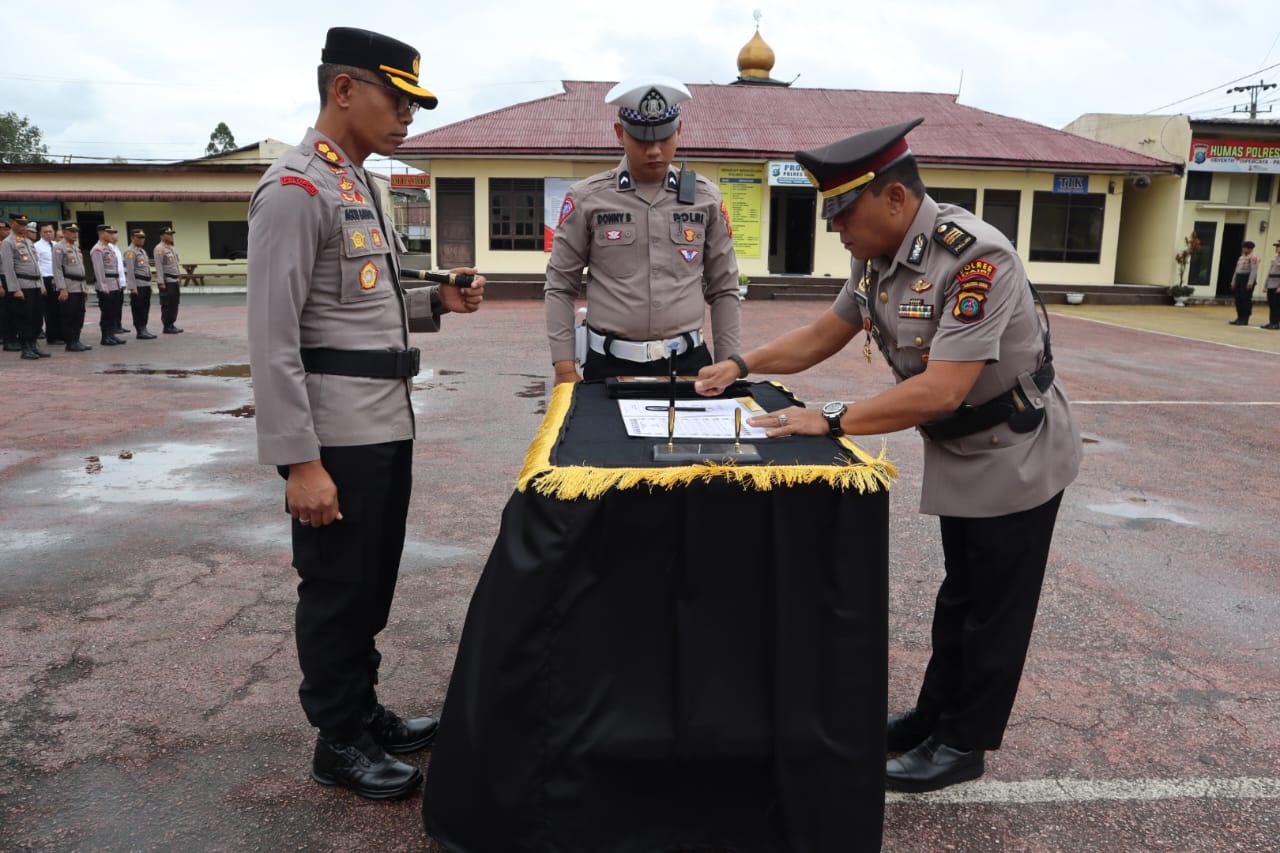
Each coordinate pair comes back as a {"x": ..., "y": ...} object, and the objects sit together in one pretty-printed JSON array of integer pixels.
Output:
[{"x": 649, "y": 107}]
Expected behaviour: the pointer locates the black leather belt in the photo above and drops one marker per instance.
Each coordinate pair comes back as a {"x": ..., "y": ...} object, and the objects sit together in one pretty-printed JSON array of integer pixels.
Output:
[
  {"x": 1011, "y": 407},
  {"x": 29, "y": 277},
  {"x": 377, "y": 364},
  {"x": 171, "y": 281},
  {"x": 140, "y": 278},
  {"x": 73, "y": 277}
]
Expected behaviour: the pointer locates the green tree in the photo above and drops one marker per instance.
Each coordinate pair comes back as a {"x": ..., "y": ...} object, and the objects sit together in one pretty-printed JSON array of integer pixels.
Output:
[
  {"x": 220, "y": 141},
  {"x": 20, "y": 140}
]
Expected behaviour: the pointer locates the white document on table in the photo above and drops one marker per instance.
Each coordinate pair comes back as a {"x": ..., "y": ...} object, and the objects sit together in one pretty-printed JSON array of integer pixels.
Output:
[{"x": 694, "y": 418}]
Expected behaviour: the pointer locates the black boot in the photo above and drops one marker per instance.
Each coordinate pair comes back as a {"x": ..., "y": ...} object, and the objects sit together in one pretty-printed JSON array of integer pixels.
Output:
[
  {"x": 144, "y": 335},
  {"x": 398, "y": 736},
  {"x": 76, "y": 346},
  {"x": 29, "y": 352},
  {"x": 364, "y": 767}
]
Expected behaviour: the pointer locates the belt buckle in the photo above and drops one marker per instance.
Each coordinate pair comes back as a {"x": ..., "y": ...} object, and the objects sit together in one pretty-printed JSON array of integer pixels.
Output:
[
  {"x": 655, "y": 350},
  {"x": 411, "y": 358}
]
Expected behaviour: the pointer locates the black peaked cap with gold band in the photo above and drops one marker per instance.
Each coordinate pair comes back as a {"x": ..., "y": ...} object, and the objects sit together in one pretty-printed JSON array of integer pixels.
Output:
[
  {"x": 393, "y": 59},
  {"x": 842, "y": 170}
]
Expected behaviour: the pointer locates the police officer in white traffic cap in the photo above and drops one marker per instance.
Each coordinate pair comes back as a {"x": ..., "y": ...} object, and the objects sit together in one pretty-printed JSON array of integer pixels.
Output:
[{"x": 659, "y": 249}]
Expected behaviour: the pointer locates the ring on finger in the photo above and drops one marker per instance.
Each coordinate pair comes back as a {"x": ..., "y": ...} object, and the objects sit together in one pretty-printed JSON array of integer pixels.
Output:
[
  {"x": 782, "y": 420},
  {"x": 304, "y": 521}
]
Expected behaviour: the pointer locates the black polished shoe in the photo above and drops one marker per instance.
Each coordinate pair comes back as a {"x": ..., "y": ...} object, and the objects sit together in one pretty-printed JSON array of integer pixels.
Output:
[
  {"x": 120, "y": 330},
  {"x": 398, "y": 736},
  {"x": 120, "y": 341},
  {"x": 172, "y": 330},
  {"x": 364, "y": 767},
  {"x": 1235, "y": 322},
  {"x": 1272, "y": 326},
  {"x": 144, "y": 335},
  {"x": 30, "y": 354},
  {"x": 39, "y": 352},
  {"x": 906, "y": 731},
  {"x": 930, "y": 766},
  {"x": 76, "y": 346},
  {"x": 108, "y": 342}
]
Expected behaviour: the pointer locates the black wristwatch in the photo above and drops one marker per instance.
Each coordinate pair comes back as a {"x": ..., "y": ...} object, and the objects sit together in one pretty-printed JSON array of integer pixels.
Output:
[{"x": 833, "y": 412}]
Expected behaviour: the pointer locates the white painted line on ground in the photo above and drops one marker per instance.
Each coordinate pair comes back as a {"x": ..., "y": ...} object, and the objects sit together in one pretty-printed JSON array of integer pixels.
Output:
[
  {"x": 1165, "y": 334},
  {"x": 1173, "y": 403},
  {"x": 1095, "y": 790}
]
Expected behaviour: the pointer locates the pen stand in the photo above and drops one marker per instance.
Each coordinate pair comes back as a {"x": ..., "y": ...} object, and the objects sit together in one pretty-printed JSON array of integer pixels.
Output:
[{"x": 717, "y": 451}]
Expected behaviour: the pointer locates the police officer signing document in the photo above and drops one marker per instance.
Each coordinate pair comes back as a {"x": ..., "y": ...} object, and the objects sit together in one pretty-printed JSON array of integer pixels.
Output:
[
  {"x": 332, "y": 373},
  {"x": 944, "y": 296},
  {"x": 659, "y": 247}
]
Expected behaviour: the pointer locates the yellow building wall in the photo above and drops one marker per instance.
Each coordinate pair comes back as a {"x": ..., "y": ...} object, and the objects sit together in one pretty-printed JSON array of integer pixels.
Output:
[
  {"x": 1149, "y": 229},
  {"x": 830, "y": 257}
]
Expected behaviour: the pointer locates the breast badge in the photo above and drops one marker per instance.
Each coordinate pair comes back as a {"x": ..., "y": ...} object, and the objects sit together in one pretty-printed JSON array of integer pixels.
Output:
[
  {"x": 376, "y": 237},
  {"x": 690, "y": 235},
  {"x": 921, "y": 285},
  {"x": 357, "y": 239},
  {"x": 689, "y": 255},
  {"x": 369, "y": 276},
  {"x": 915, "y": 309}
]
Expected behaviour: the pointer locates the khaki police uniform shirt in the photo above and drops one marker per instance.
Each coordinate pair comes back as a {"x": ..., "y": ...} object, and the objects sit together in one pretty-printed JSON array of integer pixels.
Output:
[
  {"x": 137, "y": 268},
  {"x": 1273, "y": 274},
  {"x": 323, "y": 272},
  {"x": 1247, "y": 265},
  {"x": 654, "y": 266},
  {"x": 956, "y": 291},
  {"x": 167, "y": 270},
  {"x": 68, "y": 269},
  {"x": 19, "y": 263},
  {"x": 106, "y": 269}
]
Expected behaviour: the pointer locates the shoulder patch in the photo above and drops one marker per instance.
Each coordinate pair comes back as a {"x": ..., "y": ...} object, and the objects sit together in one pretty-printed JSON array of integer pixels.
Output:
[
  {"x": 970, "y": 306},
  {"x": 952, "y": 237},
  {"x": 724, "y": 212},
  {"x": 294, "y": 180},
  {"x": 977, "y": 274},
  {"x": 566, "y": 209}
]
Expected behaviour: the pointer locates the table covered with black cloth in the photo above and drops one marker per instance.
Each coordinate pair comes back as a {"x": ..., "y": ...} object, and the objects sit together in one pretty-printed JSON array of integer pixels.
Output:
[{"x": 672, "y": 658}]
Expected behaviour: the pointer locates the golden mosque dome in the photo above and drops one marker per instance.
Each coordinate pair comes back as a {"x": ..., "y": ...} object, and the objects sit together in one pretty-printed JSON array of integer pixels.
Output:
[{"x": 755, "y": 60}]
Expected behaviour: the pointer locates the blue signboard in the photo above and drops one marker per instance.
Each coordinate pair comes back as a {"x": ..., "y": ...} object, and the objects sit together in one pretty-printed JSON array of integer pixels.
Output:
[{"x": 1071, "y": 184}]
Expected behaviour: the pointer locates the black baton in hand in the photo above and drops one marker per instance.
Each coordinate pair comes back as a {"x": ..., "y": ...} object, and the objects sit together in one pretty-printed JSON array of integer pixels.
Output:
[{"x": 461, "y": 279}]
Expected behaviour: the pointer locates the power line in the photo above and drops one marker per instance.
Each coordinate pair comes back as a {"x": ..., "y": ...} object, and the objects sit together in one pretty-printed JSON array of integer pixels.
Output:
[{"x": 1211, "y": 90}]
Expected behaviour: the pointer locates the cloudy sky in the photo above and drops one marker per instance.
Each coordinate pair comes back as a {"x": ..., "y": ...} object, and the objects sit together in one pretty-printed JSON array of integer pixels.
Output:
[{"x": 149, "y": 80}]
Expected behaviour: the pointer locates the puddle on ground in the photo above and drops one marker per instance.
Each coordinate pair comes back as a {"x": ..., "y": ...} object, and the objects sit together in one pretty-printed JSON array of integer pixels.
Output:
[
  {"x": 245, "y": 411},
  {"x": 222, "y": 371},
  {"x": 166, "y": 472},
  {"x": 1141, "y": 508}
]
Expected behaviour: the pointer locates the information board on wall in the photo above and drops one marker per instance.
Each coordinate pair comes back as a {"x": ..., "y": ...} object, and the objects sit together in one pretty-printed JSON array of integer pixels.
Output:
[
  {"x": 1233, "y": 155},
  {"x": 743, "y": 191}
]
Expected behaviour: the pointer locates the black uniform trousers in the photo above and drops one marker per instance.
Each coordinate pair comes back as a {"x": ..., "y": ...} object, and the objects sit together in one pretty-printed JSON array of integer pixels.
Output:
[
  {"x": 52, "y": 314},
  {"x": 348, "y": 572},
  {"x": 1273, "y": 306},
  {"x": 110, "y": 306},
  {"x": 28, "y": 312},
  {"x": 982, "y": 622},
  {"x": 7, "y": 330},
  {"x": 169, "y": 298},
  {"x": 688, "y": 363},
  {"x": 1244, "y": 298},
  {"x": 71, "y": 316},
  {"x": 140, "y": 307}
]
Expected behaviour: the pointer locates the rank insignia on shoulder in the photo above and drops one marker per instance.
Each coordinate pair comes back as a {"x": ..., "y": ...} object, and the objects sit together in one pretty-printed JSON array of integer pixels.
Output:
[
  {"x": 326, "y": 151},
  {"x": 295, "y": 181},
  {"x": 921, "y": 285},
  {"x": 915, "y": 309},
  {"x": 673, "y": 182},
  {"x": 917, "y": 249},
  {"x": 337, "y": 170},
  {"x": 624, "y": 180},
  {"x": 953, "y": 238},
  {"x": 689, "y": 255},
  {"x": 969, "y": 306},
  {"x": 346, "y": 184},
  {"x": 369, "y": 276}
]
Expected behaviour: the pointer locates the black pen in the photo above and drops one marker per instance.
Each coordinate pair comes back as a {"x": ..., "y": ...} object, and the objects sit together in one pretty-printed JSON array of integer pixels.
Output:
[{"x": 678, "y": 408}]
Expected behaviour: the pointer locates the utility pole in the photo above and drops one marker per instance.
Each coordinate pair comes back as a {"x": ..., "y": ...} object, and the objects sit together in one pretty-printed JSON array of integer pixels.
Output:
[{"x": 1253, "y": 90}]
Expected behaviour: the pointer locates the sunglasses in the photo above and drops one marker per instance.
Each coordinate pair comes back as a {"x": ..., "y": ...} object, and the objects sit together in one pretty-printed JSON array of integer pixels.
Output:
[{"x": 403, "y": 102}]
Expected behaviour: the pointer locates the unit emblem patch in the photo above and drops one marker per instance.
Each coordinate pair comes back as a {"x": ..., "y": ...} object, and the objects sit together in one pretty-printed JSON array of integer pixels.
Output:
[
  {"x": 969, "y": 306},
  {"x": 690, "y": 255},
  {"x": 369, "y": 276},
  {"x": 565, "y": 209}
]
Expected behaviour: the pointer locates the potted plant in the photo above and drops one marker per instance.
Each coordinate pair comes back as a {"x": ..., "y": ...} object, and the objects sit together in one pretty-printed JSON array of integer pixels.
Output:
[{"x": 1180, "y": 291}]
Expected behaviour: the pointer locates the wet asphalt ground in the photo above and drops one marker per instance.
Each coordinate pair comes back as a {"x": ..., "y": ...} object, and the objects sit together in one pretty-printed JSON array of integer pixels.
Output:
[{"x": 148, "y": 675}]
